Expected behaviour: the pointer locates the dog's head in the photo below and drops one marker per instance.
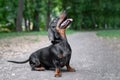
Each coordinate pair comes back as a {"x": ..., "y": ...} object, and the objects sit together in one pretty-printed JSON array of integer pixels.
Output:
[{"x": 55, "y": 27}]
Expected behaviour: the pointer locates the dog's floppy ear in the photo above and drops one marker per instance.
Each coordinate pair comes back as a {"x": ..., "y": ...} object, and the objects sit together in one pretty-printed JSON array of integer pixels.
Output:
[{"x": 52, "y": 33}]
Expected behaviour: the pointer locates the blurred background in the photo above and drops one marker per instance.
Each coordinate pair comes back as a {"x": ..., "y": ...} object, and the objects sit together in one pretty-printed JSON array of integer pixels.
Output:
[
  {"x": 94, "y": 37},
  {"x": 35, "y": 15}
]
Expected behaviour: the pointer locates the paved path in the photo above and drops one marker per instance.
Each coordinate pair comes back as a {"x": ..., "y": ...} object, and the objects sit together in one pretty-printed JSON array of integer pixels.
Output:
[{"x": 94, "y": 58}]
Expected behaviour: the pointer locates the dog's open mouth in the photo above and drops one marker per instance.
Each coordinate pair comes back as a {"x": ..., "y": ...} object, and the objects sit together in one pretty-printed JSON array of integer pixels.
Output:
[{"x": 63, "y": 22}]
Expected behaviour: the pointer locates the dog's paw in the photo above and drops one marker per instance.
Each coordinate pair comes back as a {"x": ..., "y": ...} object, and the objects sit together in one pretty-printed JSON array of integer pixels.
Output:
[
  {"x": 57, "y": 72},
  {"x": 39, "y": 68},
  {"x": 58, "y": 75},
  {"x": 71, "y": 70}
]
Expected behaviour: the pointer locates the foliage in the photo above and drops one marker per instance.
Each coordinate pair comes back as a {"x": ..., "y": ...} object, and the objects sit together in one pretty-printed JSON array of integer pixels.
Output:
[
  {"x": 87, "y": 14},
  {"x": 109, "y": 33},
  {"x": 95, "y": 14},
  {"x": 7, "y": 14}
]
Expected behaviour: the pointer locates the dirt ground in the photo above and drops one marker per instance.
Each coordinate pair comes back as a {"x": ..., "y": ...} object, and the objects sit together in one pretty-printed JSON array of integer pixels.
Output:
[
  {"x": 20, "y": 45},
  {"x": 94, "y": 58}
]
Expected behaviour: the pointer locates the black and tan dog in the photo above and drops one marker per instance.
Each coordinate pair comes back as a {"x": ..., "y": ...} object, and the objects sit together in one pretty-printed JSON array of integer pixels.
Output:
[{"x": 56, "y": 55}]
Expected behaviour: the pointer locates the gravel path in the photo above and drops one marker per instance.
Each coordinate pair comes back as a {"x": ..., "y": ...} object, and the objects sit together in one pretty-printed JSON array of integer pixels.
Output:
[{"x": 94, "y": 58}]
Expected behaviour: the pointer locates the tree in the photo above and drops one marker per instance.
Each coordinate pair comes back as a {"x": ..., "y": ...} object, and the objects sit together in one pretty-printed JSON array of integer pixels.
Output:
[
  {"x": 86, "y": 14},
  {"x": 36, "y": 16},
  {"x": 19, "y": 16},
  {"x": 48, "y": 13},
  {"x": 27, "y": 14}
]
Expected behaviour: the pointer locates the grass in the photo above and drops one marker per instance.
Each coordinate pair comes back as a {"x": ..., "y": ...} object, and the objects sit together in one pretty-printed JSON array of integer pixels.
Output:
[
  {"x": 17, "y": 34},
  {"x": 109, "y": 33},
  {"x": 68, "y": 31}
]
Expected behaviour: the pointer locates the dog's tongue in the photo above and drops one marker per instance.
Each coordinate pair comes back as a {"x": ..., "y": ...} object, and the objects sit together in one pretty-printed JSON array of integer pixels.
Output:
[{"x": 65, "y": 23}]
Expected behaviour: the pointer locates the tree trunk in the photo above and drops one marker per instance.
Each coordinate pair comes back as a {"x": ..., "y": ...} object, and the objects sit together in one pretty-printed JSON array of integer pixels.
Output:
[
  {"x": 36, "y": 21},
  {"x": 36, "y": 16},
  {"x": 27, "y": 24},
  {"x": 48, "y": 14},
  {"x": 19, "y": 16}
]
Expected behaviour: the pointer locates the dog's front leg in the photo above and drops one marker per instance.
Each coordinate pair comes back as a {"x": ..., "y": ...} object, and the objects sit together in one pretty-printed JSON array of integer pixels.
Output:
[
  {"x": 70, "y": 69},
  {"x": 57, "y": 68},
  {"x": 57, "y": 72}
]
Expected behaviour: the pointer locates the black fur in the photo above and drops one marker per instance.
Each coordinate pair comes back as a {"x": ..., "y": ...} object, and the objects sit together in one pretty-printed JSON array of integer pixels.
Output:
[{"x": 57, "y": 55}]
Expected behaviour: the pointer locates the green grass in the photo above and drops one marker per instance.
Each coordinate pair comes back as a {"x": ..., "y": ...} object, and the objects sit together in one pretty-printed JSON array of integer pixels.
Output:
[
  {"x": 17, "y": 34},
  {"x": 109, "y": 33},
  {"x": 68, "y": 31}
]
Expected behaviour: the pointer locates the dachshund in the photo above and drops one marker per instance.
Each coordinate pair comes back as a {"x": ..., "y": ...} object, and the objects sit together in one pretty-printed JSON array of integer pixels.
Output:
[{"x": 58, "y": 54}]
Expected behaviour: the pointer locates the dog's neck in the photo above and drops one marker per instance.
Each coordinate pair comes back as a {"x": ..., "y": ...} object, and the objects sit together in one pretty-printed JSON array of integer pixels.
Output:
[{"x": 62, "y": 33}]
